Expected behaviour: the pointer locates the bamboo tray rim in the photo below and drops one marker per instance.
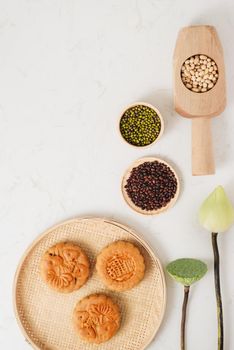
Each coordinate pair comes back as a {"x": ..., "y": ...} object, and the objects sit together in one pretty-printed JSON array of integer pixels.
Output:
[{"x": 128, "y": 229}]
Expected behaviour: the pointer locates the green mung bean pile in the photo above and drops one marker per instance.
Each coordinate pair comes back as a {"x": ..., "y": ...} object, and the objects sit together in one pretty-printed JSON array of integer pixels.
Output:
[{"x": 140, "y": 125}]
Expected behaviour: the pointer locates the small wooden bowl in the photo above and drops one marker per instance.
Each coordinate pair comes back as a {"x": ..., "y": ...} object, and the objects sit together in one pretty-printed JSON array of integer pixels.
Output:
[
  {"x": 129, "y": 201},
  {"x": 158, "y": 114}
]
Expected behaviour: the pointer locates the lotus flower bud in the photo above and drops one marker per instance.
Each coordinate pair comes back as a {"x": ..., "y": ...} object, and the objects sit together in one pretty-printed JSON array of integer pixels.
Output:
[{"x": 216, "y": 213}]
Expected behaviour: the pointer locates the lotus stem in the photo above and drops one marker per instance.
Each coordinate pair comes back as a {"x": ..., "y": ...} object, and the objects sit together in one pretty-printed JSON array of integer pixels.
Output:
[
  {"x": 218, "y": 291},
  {"x": 183, "y": 319}
]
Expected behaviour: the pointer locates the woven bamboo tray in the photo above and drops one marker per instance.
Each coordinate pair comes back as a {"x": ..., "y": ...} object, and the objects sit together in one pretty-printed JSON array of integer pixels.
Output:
[{"x": 45, "y": 316}]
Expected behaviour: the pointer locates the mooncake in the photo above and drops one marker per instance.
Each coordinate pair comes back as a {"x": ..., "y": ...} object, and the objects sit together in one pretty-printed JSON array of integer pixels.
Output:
[
  {"x": 65, "y": 267},
  {"x": 120, "y": 266},
  {"x": 96, "y": 318}
]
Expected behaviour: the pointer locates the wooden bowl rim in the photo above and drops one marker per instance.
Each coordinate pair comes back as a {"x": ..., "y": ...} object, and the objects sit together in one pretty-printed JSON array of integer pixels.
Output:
[
  {"x": 147, "y": 105},
  {"x": 129, "y": 201}
]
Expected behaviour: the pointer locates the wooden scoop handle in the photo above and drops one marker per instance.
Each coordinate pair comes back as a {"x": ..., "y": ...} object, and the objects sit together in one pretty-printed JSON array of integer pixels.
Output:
[{"x": 202, "y": 149}]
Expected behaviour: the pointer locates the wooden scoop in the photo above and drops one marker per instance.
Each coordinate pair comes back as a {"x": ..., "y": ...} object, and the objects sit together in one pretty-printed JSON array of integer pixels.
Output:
[{"x": 199, "y": 40}]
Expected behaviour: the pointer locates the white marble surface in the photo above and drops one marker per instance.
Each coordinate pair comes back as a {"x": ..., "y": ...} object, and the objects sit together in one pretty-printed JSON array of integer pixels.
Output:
[{"x": 67, "y": 68}]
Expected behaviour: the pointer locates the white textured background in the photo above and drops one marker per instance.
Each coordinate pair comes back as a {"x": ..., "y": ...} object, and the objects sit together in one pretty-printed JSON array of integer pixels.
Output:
[{"x": 67, "y": 69}]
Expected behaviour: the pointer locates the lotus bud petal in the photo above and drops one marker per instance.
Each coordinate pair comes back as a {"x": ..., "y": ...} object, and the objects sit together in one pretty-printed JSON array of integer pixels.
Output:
[{"x": 216, "y": 213}]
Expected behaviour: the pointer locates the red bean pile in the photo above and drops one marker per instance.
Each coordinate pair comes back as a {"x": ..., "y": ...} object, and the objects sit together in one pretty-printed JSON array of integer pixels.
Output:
[{"x": 151, "y": 185}]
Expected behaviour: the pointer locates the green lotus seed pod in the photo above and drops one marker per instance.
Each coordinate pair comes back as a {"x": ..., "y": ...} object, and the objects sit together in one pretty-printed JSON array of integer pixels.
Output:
[{"x": 186, "y": 271}]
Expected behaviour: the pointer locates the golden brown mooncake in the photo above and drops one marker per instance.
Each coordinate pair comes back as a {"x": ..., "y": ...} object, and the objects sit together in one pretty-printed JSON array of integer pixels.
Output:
[
  {"x": 120, "y": 266},
  {"x": 96, "y": 318},
  {"x": 65, "y": 267}
]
